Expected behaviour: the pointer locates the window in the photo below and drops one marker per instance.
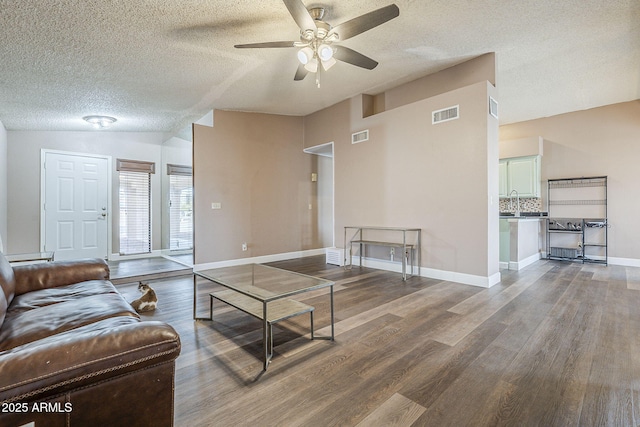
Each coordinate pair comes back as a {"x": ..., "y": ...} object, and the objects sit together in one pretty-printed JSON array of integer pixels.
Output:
[
  {"x": 135, "y": 206},
  {"x": 180, "y": 207}
]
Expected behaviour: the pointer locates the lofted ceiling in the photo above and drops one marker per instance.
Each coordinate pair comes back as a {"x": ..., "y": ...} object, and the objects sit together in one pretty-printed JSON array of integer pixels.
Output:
[{"x": 158, "y": 65}]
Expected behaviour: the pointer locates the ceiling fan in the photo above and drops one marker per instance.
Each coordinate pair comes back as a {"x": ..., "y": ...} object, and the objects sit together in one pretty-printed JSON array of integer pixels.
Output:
[{"x": 317, "y": 46}]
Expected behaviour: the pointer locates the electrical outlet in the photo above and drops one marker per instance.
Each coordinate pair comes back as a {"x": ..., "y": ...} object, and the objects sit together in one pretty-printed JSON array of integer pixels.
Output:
[
  {"x": 244, "y": 247},
  {"x": 216, "y": 205},
  {"x": 392, "y": 252}
]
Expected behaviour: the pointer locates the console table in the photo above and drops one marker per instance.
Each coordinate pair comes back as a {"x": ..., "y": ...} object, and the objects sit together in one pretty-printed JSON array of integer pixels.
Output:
[{"x": 363, "y": 236}]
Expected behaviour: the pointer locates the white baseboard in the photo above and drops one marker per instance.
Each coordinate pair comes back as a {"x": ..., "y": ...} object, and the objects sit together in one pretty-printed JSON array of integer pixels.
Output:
[
  {"x": 524, "y": 263},
  {"x": 504, "y": 265},
  {"x": 432, "y": 273},
  {"x": 260, "y": 259},
  {"x": 625, "y": 262},
  {"x": 465, "y": 279},
  {"x": 118, "y": 257}
]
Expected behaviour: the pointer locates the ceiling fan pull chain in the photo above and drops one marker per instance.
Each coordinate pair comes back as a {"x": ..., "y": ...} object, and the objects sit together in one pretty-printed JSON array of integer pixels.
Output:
[{"x": 318, "y": 77}]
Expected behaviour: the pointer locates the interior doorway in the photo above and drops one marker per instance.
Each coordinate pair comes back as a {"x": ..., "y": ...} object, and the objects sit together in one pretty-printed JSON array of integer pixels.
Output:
[
  {"x": 180, "y": 212},
  {"x": 325, "y": 192},
  {"x": 75, "y": 205}
]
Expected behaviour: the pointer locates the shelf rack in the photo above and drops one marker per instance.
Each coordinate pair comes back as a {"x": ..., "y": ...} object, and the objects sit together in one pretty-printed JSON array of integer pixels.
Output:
[{"x": 578, "y": 208}]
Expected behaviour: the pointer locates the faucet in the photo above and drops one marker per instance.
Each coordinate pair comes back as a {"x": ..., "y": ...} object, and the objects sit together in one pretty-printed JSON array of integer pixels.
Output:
[{"x": 517, "y": 211}]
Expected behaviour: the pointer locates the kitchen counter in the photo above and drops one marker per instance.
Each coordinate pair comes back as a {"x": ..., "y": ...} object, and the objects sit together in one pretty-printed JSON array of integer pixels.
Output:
[{"x": 520, "y": 240}]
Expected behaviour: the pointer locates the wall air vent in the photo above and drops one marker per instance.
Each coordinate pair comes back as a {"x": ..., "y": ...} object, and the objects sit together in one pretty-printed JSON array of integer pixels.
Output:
[
  {"x": 493, "y": 107},
  {"x": 361, "y": 136},
  {"x": 444, "y": 115}
]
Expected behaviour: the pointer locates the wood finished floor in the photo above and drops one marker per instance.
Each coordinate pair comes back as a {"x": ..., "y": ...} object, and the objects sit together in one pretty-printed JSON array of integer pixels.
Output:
[{"x": 556, "y": 344}]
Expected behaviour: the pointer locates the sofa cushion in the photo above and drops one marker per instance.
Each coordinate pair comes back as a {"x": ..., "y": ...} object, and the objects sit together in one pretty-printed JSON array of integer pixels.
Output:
[
  {"x": 21, "y": 327},
  {"x": 8, "y": 286},
  {"x": 84, "y": 356},
  {"x": 36, "y": 299},
  {"x": 34, "y": 277}
]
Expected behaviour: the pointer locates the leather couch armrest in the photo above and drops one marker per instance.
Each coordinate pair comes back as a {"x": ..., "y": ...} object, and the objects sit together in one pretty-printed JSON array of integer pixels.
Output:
[
  {"x": 58, "y": 273},
  {"x": 85, "y": 356}
]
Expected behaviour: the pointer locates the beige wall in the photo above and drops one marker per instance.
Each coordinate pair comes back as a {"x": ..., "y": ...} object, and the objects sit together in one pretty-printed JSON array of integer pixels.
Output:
[
  {"x": 3, "y": 185},
  {"x": 531, "y": 146},
  {"x": 24, "y": 148},
  {"x": 482, "y": 68},
  {"x": 253, "y": 164},
  {"x": 441, "y": 178},
  {"x": 600, "y": 141}
]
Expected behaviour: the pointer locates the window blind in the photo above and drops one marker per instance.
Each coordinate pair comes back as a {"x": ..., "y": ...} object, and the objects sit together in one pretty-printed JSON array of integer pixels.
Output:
[{"x": 135, "y": 211}]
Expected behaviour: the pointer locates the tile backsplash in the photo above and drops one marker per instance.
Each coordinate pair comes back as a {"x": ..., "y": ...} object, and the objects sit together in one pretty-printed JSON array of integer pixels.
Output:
[{"x": 527, "y": 204}]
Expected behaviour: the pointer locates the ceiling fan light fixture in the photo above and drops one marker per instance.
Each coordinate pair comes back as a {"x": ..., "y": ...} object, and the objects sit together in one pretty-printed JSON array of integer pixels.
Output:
[
  {"x": 329, "y": 63},
  {"x": 305, "y": 55},
  {"x": 325, "y": 52},
  {"x": 312, "y": 65},
  {"x": 100, "y": 122}
]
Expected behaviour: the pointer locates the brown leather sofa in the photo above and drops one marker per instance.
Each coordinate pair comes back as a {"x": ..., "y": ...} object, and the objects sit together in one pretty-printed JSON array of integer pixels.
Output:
[{"x": 74, "y": 352}]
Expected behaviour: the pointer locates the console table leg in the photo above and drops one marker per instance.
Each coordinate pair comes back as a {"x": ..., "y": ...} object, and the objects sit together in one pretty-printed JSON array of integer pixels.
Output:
[
  {"x": 265, "y": 336},
  {"x": 332, "y": 326}
]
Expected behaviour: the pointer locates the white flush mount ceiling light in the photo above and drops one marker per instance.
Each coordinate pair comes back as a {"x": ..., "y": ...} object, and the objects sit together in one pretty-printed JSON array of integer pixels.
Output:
[{"x": 100, "y": 122}]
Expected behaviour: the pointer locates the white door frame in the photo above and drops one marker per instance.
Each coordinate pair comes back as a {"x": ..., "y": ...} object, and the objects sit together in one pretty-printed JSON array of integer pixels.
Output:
[
  {"x": 43, "y": 155},
  {"x": 328, "y": 150}
]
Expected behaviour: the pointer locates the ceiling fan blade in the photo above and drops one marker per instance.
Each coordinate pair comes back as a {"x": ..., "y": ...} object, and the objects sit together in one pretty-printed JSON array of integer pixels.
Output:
[
  {"x": 300, "y": 14},
  {"x": 301, "y": 72},
  {"x": 365, "y": 22},
  {"x": 266, "y": 44},
  {"x": 352, "y": 57}
]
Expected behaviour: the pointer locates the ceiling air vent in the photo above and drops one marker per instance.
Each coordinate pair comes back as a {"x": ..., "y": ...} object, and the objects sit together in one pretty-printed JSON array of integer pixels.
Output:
[
  {"x": 444, "y": 115},
  {"x": 361, "y": 136},
  {"x": 493, "y": 107}
]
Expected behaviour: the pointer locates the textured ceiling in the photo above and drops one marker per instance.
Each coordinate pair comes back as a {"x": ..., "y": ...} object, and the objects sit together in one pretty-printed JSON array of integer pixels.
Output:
[{"x": 158, "y": 65}]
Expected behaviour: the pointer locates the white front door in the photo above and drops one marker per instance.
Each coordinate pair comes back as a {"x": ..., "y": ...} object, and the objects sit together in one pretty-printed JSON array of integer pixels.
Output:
[{"x": 76, "y": 210}]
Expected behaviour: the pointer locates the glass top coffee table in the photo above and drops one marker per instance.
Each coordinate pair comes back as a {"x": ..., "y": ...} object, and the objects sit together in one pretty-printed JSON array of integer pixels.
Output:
[{"x": 265, "y": 293}]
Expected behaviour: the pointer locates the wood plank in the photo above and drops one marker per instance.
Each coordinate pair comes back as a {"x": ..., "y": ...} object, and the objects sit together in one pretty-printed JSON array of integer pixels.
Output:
[
  {"x": 612, "y": 381},
  {"x": 398, "y": 411},
  {"x": 633, "y": 278},
  {"x": 480, "y": 380}
]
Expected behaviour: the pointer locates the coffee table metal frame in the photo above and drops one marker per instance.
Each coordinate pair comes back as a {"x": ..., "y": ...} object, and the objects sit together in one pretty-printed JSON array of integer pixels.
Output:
[{"x": 247, "y": 299}]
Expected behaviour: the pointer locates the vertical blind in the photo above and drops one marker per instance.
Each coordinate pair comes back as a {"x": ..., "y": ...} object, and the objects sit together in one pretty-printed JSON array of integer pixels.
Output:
[
  {"x": 135, "y": 206},
  {"x": 180, "y": 207}
]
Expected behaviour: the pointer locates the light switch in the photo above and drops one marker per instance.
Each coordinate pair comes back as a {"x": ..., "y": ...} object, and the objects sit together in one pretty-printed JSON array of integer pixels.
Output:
[{"x": 216, "y": 205}]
